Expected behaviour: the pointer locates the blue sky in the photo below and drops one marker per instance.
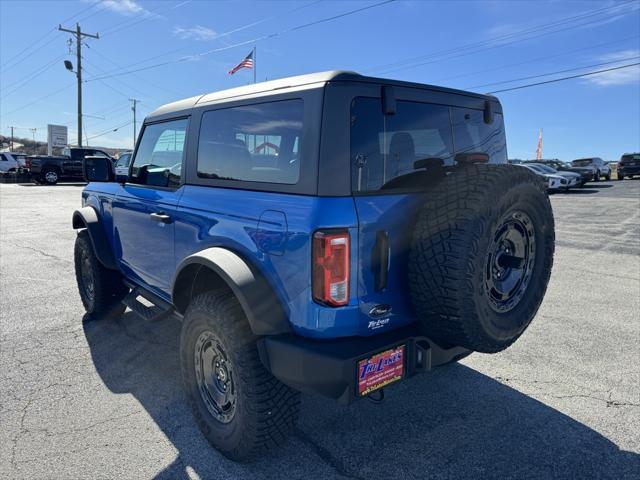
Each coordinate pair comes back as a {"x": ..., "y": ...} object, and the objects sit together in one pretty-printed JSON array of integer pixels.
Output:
[{"x": 460, "y": 44}]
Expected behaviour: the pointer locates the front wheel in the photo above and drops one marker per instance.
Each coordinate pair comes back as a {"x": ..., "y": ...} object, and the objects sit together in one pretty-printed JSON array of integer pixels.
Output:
[
  {"x": 620, "y": 177},
  {"x": 101, "y": 290},
  {"x": 239, "y": 406}
]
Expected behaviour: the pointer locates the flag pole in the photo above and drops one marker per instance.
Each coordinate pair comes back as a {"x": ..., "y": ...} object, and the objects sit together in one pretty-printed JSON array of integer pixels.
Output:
[{"x": 255, "y": 64}]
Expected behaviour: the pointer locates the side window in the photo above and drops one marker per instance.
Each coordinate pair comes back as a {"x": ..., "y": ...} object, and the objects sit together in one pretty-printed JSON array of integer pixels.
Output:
[
  {"x": 253, "y": 143},
  {"x": 386, "y": 147},
  {"x": 124, "y": 160},
  {"x": 471, "y": 134},
  {"x": 158, "y": 160},
  {"x": 3, "y": 157}
]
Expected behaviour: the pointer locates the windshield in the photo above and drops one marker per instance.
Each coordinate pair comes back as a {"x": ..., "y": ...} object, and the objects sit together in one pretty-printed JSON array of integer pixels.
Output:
[
  {"x": 585, "y": 162},
  {"x": 546, "y": 168}
]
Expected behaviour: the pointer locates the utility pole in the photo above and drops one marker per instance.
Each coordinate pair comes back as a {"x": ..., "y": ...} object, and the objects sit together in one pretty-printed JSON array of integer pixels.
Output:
[
  {"x": 133, "y": 109},
  {"x": 33, "y": 135},
  {"x": 11, "y": 144},
  {"x": 79, "y": 34}
]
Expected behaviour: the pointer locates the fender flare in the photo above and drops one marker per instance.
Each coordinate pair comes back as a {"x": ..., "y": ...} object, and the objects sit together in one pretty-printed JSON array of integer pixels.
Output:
[
  {"x": 261, "y": 305},
  {"x": 87, "y": 217}
]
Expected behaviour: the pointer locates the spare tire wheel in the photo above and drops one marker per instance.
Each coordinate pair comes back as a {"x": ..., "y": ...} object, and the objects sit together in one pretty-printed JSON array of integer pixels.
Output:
[{"x": 481, "y": 256}]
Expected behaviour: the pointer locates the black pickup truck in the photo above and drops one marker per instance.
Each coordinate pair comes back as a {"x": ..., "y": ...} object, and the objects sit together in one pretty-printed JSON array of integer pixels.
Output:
[{"x": 49, "y": 169}]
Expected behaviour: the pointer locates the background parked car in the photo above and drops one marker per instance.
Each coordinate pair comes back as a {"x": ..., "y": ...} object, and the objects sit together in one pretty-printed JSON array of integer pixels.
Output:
[
  {"x": 595, "y": 165},
  {"x": 629, "y": 165},
  {"x": 11, "y": 161},
  {"x": 586, "y": 176},
  {"x": 51, "y": 169},
  {"x": 122, "y": 164},
  {"x": 553, "y": 182},
  {"x": 574, "y": 179}
]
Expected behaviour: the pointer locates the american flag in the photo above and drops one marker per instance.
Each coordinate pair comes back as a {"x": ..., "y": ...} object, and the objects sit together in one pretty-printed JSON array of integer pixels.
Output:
[{"x": 246, "y": 63}]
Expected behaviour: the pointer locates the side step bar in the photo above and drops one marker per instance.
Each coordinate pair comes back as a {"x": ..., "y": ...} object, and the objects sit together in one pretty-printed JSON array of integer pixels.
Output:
[{"x": 151, "y": 307}]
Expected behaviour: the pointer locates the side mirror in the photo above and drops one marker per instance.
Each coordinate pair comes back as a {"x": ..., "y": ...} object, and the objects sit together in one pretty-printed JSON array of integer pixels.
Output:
[{"x": 97, "y": 169}]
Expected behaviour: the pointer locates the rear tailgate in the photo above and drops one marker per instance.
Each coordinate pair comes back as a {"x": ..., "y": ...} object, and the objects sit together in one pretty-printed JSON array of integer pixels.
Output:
[{"x": 384, "y": 150}]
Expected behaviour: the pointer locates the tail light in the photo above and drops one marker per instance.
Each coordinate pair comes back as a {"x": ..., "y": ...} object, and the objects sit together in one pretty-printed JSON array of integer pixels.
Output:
[
  {"x": 330, "y": 268},
  {"x": 27, "y": 163}
]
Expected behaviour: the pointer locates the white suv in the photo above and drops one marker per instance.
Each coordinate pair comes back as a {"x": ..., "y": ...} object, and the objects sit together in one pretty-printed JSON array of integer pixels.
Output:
[{"x": 11, "y": 161}]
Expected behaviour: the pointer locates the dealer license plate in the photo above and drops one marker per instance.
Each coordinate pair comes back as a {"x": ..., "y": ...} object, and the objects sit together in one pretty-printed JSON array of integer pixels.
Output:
[{"x": 380, "y": 370}]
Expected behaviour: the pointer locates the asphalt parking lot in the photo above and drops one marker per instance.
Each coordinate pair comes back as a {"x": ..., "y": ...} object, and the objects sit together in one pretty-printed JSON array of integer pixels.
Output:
[{"x": 104, "y": 399}]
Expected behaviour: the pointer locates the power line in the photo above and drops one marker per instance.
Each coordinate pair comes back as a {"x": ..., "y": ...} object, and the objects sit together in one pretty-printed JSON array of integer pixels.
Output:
[
  {"x": 533, "y": 60},
  {"x": 247, "y": 42},
  {"x": 112, "y": 129},
  {"x": 501, "y": 41},
  {"x": 218, "y": 36},
  {"x": 146, "y": 82},
  {"x": 23, "y": 81},
  {"x": 565, "y": 78},
  {"x": 39, "y": 99},
  {"x": 40, "y": 39},
  {"x": 620, "y": 60},
  {"x": 147, "y": 16}
]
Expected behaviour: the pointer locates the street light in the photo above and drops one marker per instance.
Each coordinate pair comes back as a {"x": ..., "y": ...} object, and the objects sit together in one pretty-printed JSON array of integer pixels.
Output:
[{"x": 68, "y": 65}]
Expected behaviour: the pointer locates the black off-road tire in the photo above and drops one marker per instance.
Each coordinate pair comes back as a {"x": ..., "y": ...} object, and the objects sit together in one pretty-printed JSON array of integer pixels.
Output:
[
  {"x": 101, "y": 289},
  {"x": 264, "y": 410},
  {"x": 596, "y": 176},
  {"x": 451, "y": 265},
  {"x": 608, "y": 177}
]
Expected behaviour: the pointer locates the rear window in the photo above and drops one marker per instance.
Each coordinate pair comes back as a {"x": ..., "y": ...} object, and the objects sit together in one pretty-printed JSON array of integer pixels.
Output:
[
  {"x": 585, "y": 162},
  {"x": 386, "y": 147},
  {"x": 254, "y": 143},
  {"x": 629, "y": 158}
]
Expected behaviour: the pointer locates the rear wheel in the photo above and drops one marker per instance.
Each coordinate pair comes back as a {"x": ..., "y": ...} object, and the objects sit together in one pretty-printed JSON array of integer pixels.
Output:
[
  {"x": 50, "y": 177},
  {"x": 596, "y": 177},
  {"x": 620, "y": 177},
  {"x": 608, "y": 176},
  {"x": 481, "y": 256},
  {"x": 101, "y": 289},
  {"x": 239, "y": 406}
]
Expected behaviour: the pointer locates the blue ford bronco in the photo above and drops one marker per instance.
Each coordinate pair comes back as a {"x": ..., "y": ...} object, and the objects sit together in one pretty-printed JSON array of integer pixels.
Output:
[{"x": 327, "y": 233}]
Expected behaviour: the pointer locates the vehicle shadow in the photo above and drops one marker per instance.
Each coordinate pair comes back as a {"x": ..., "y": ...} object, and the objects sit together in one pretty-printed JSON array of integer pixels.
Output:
[
  {"x": 580, "y": 191},
  {"x": 60, "y": 184},
  {"x": 451, "y": 423}
]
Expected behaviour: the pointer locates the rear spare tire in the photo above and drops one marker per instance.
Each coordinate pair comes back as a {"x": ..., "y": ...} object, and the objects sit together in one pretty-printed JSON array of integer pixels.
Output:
[{"x": 481, "y": 256}]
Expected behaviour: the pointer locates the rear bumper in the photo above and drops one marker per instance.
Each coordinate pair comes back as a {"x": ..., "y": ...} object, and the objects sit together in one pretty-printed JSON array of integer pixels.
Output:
[
  {"x": 330, "y": 368},
  {"x": 629, "y": 170}
]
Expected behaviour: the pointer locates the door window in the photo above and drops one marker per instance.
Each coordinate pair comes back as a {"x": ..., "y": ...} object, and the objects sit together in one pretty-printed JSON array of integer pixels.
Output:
[
  {"x": 253, "y": 143},
  {"x": 158, "y": 160}
]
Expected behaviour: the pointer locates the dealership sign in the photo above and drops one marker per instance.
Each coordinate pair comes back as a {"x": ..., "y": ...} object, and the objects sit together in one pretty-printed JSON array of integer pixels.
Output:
[{"x": 56, "y": 137}]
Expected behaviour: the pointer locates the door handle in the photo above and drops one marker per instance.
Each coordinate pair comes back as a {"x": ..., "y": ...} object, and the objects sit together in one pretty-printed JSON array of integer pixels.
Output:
[
  {"x": 380, "y": 260},
  {"x": 160, "y": 217}
]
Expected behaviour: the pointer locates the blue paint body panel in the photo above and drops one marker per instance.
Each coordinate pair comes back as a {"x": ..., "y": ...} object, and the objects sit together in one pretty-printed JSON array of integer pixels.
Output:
[{"x": 272, "y": 232}]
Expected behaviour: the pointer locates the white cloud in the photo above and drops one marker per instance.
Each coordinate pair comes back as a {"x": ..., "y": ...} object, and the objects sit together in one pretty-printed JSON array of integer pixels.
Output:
[
  {"x": 124, "y": 7},
  {"x": 623, "y": 76},
  {"x": 194, "y": 33}
]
